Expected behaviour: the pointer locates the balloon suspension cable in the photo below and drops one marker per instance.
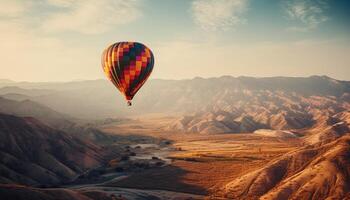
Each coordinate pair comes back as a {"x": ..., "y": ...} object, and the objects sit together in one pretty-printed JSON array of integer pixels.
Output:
[{"x": 129, "y": 103}]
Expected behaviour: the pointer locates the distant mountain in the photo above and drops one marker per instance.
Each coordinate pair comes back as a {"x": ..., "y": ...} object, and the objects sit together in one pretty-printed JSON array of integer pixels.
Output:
[
  {"x": 328, "y": 126},
  {"x": 100, "y": 99},
  {"x": 33, "y": 153},
  {"x": 6, "y": 81},
  {"x": 27, "y": 92},
  {"x": 15, "y": 96},
  {"x": 312, "y": 172},
  {"x": 247, "y": 111},
  {"x": 28, "y": 108}
]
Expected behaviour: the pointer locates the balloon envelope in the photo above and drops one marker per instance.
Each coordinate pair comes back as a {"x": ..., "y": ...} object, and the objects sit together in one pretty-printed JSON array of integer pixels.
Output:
[{"x": 127, "y": 65}]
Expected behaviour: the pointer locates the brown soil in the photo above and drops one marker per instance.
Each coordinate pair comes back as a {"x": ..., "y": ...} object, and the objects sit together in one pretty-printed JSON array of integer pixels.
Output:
[{"x": 205, "y": 163}]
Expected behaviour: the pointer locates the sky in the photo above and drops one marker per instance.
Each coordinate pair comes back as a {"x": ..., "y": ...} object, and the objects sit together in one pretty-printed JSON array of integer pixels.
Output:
[{"x": 62, "y": 40}]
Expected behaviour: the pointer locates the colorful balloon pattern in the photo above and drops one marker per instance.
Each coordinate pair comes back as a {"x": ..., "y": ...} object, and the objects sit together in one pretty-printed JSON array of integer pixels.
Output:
[{"x": 128, "y": 65}]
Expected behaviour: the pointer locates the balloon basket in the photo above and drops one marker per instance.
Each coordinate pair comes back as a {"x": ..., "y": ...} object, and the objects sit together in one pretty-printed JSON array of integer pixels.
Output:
[{"x": 129, "y": 103}]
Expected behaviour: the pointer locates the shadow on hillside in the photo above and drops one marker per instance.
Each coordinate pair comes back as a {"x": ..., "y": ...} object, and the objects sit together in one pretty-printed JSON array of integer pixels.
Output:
[{"x": 168, "y": 178}]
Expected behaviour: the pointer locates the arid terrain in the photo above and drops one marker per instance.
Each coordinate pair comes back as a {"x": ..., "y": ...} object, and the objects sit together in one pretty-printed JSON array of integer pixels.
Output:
[{"x": 221, "y": 138}]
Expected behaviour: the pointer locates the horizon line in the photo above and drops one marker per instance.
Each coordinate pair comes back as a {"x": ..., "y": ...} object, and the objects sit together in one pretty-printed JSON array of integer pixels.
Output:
[{"x": 3, "y": 80}]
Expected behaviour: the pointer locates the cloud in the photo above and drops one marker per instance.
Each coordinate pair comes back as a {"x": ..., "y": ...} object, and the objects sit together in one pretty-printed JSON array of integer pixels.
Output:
[
  {"x": 61, "y": 3},
  {"x": 90, "y": 16},
  {"x": 82, "y": 16},
  {"x": 215, "y": 15},
  {"x": 310, "y": 13},
  {"x": 32, "y": 48},
  {"x": 12, "y": 9},
  {"x": 27, "y": 56}
]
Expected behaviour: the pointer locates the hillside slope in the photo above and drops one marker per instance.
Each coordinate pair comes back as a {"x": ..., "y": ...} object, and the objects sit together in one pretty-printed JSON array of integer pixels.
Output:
[
  {"x": 250, "y": 111},
  {"x": 18, "y": 192},
  {"x": 312, "y": 172},
  {"x": 28, "y": 108},
  {"x": 32, "y": 153}
]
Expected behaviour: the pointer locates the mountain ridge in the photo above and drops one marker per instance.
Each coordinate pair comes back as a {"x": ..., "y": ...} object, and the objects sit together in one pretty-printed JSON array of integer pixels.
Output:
[
  {"x": 100, "y": 99},
  {"x": 311, "y": 172},
  {"x": 33, "y": 153}
]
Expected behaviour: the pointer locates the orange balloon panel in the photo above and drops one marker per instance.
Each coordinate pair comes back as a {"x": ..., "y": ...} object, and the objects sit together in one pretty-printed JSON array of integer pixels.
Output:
[{"x": 127, "y": 65}]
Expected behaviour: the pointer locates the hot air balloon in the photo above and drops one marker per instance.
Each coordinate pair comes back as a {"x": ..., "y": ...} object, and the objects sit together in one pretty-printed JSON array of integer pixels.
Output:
[{"x": 127, "y": 65}]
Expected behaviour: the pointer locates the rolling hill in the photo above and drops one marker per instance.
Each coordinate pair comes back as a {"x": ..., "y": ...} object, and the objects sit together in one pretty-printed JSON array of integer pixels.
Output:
[
  {"x": 312, "y": 172},
  {"x": 28, "y": 108},
  {"x": 33, "y": 153}
]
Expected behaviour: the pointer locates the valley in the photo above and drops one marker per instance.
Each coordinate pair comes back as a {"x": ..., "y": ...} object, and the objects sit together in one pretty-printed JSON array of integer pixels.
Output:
[{"x": 224, "y": 138}]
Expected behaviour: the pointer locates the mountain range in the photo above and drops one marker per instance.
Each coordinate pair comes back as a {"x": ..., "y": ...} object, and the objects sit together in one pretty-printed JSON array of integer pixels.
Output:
[
  {"x": 100, "y": 99},
  {"x": 45, "y": 141}
]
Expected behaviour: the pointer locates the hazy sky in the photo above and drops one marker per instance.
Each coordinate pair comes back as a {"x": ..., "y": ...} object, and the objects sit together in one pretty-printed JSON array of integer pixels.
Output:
[{"x": 62, "y": 40}]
